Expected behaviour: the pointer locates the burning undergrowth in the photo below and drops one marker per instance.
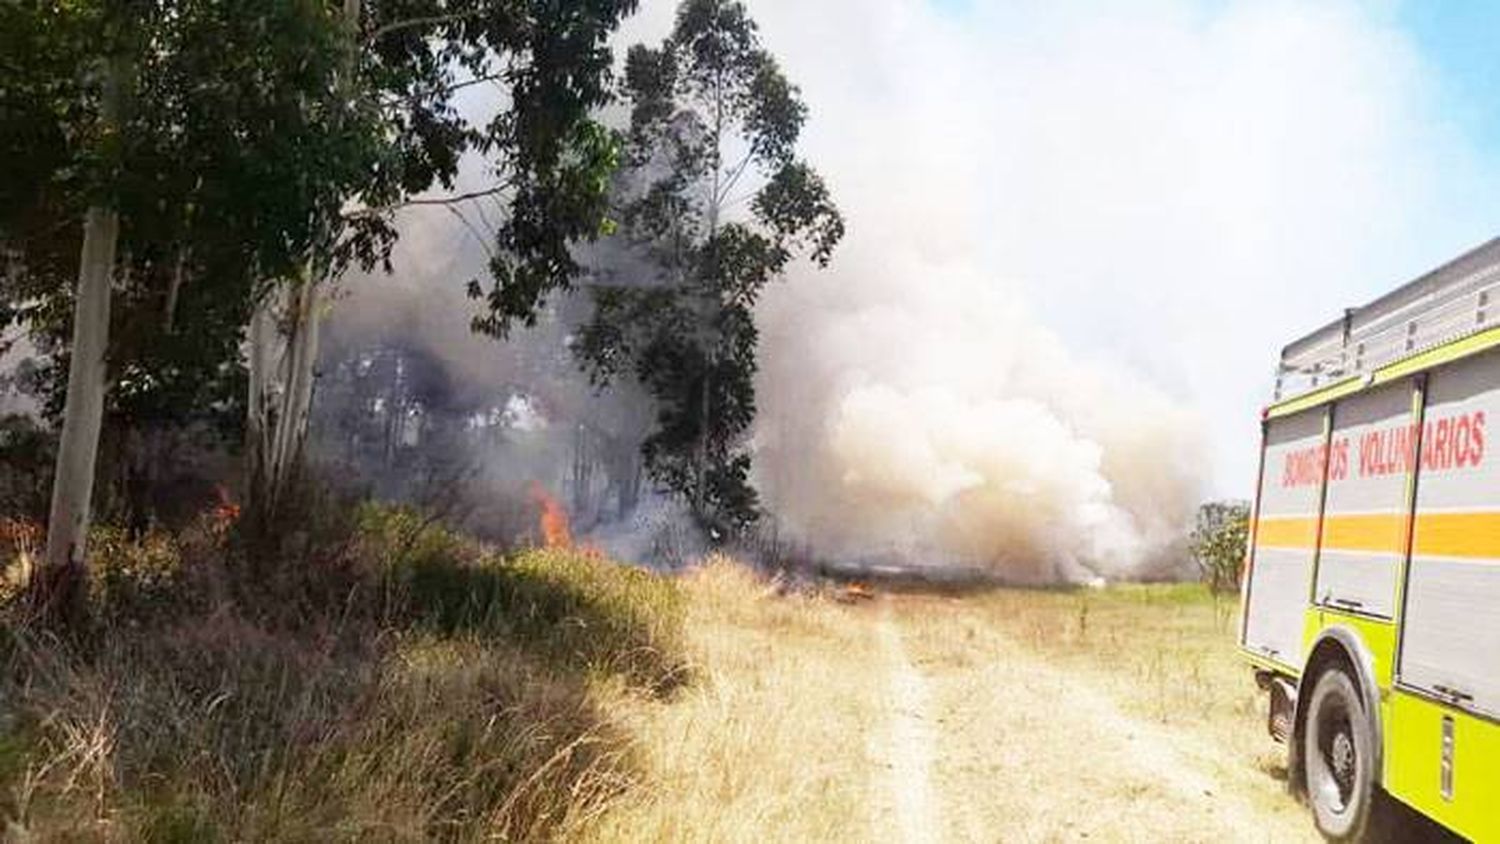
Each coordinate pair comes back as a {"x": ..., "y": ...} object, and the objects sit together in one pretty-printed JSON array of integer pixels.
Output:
[
  {"x": 413, "y": 407},
  {"x": 912, "y": 411},
  {"x": 902, "y": 425}
]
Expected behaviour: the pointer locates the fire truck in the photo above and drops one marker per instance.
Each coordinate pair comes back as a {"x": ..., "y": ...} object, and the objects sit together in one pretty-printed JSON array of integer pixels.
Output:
[{"x": 1371, "y": 606}]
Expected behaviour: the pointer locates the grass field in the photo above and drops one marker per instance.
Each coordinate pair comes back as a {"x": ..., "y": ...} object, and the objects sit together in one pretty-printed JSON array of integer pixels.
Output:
[
  {"x": 399, "y": 683},
  {"x": 1120, "y": 714},
  {"x": 418, "y": 687}
]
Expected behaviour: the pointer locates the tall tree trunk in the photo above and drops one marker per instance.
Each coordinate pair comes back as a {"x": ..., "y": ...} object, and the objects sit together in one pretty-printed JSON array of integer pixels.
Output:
[
  {"x": 301, "y": 355},
  {"x": 281, "y": 381},
  {"x": 281, "y": 390},
  {"x": 83, "y": 411},
  {"x": 700, "y": 493},
  {"x": 57, "y": 581},
  {"x": 174, "y": 291},
  {"x": 259, "y": 403}
]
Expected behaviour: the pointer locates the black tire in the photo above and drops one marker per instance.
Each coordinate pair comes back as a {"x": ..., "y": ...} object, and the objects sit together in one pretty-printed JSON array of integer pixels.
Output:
[{"x": 1338, "y": 758}]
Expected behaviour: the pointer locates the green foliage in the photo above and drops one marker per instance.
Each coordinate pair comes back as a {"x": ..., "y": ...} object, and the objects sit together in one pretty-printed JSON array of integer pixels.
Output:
[
  {"x": 252, "y": 128},
  {"x": 713, "y": 122},
  {"x": 1218, "y": 543},
  {"x": 235, "y": 148}
]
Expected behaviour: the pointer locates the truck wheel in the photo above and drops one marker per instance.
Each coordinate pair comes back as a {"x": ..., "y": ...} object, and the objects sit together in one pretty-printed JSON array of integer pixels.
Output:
[{"x": 1338, "y": 754}]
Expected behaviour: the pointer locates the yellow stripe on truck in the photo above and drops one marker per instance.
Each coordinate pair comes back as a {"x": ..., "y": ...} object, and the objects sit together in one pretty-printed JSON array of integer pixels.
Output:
[
  {"x": 1366, "y": 532},
  {"x": 1474, "y": 535},
  {"x": 1286, "y": 533}
]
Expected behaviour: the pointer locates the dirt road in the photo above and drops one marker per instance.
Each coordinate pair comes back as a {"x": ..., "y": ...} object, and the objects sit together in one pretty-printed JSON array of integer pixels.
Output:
[
  {"x": 1115, "y": 715},
  {"x": 1017, "y": 747}
]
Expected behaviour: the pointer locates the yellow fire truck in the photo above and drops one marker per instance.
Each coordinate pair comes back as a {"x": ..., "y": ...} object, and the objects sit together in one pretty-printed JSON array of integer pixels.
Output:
[{"x": 1372, "y": 593}]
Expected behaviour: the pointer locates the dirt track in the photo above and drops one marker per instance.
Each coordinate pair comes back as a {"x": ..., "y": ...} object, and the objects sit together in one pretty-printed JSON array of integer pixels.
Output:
[
  {"x": 1120, "y": 714},
  {"x": 987, "y": 741},
  {"x": 1003, "y": 715}
]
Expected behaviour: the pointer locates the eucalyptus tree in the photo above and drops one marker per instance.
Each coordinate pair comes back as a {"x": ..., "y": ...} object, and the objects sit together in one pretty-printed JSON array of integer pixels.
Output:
[
  {"x": 147, "y": 145},
  {"x": 167, "y": 168},
  {"x": 547, "y": 168},
  {"x": 715, "y": 199}
]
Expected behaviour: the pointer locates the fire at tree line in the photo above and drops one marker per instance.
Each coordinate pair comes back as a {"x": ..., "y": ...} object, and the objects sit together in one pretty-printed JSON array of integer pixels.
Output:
[
  {"x": 188, "y": 188},
  {"x": 173, "y": 250}
]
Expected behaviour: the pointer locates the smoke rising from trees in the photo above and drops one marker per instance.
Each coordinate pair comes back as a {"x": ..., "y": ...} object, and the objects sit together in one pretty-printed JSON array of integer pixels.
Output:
[
  {"x": 915, "y": 411},
  {"x": 1051, "y": 204},
  {"x": 1045, "y": 207}
]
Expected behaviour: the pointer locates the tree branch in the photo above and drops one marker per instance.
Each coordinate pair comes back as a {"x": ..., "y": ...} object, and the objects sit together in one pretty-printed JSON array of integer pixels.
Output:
[
  {"x": 414, "y": 23},
  {"x": 445, "y": 90},
  {"x": 478, "y": 238},
  {"x": 443, "y": 201},
  {"x": 734, "y": 177}
]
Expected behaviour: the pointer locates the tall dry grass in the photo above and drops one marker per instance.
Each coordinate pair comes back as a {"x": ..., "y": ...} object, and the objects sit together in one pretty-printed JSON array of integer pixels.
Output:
[
  {"x": 1166, "y": 652},
  {"x": 404, "y": 684},
  {"x": 1143, "y": 681},
  {"x": 769, "y": 743}
]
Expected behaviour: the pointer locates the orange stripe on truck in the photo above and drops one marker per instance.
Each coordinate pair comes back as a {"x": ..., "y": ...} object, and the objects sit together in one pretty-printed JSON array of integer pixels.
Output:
[
  {"x": 1458, "y": 535},
  {"x": 1474, "y": 535},
  {"x": 1366, "y": 532},
  {"x": 1286, "y": 532}
]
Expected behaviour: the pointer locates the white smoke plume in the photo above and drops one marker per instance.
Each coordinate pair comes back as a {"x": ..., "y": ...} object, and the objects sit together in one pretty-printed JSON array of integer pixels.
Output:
[
  {"x": 913, "y": 410},
  {"x": 1078, "y": 235}
]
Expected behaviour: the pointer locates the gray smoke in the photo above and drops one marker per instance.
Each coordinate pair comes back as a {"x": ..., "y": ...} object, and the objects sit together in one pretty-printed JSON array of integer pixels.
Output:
[{"x": 913, "y": 409}]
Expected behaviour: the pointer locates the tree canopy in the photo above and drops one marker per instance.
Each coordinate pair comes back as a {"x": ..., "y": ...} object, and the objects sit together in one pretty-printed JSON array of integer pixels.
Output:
[
  {"x": 262, "y": 140},
  {"x": 245, "y": 150},
  {"x": 715, "y": 199}
]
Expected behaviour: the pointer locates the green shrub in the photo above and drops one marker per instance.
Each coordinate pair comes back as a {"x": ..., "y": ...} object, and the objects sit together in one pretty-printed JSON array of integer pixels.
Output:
[
  {"x": 573, "y": 607},
  {"x": 578, "y": 609},
  {"x": 133, "y": 579},
  {"x": 1218, "y": 543}
]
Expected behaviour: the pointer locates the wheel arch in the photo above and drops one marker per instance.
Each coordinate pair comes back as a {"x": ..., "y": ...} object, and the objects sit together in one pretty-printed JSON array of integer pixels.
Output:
[{"x": 1337, "y": 646}]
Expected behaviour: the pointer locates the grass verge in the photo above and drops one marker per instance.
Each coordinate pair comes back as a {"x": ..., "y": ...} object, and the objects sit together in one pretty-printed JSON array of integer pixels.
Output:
[
  {"x": 770, "y": 741},
  {"x": 402, "y": 684}
]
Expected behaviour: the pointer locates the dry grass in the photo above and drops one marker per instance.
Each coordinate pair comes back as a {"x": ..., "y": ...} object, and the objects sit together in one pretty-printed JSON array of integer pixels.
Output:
[
  {"x": 1121, "y": 714},
  {"x": 1164, "y": 653},
  {"x": 1114, "y": 715},
  {"x": 409, "y": 687},
  {"x": 413, "y": 686},
  {"x": 770, "y": 742}
]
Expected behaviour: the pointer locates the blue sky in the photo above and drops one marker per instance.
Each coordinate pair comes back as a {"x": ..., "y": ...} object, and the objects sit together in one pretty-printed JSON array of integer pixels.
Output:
[{"x": 1458, "y": 38}]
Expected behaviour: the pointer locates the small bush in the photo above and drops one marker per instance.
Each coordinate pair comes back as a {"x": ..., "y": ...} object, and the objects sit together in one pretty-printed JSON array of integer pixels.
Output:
[
  {"x": 1218, "y": 543},
  {"x": 133, "y": 578},
  {"x": 577, "y": 608}
]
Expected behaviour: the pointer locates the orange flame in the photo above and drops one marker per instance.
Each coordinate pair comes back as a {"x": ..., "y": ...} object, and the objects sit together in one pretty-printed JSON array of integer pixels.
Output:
[
  {"x": 224, "y": 513},
  {"x": 554, "y": 519}
]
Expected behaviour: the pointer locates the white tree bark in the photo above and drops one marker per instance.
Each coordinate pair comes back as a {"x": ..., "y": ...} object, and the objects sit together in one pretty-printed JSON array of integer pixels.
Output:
[
  {"x": 283, "y": 350},
  {"x": 262, "y": 355},
  {"x": 83, "y": 408},
  {"x": 296, "y": 405},
  {"x": 282, "y": 356}
]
